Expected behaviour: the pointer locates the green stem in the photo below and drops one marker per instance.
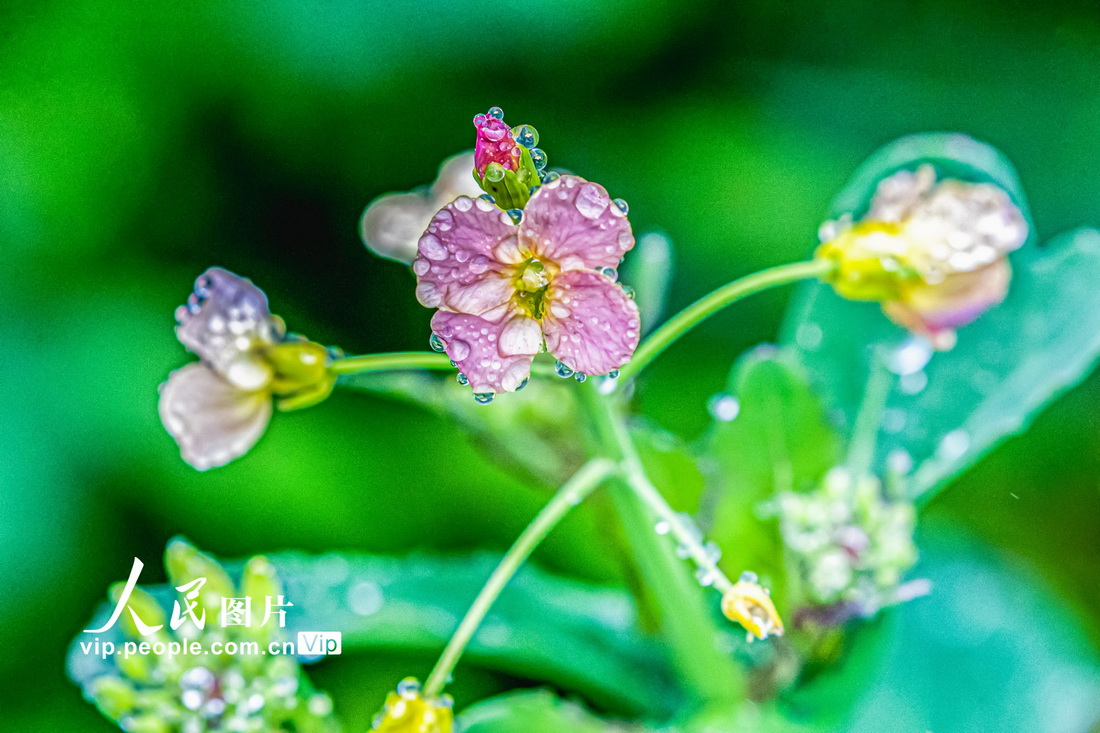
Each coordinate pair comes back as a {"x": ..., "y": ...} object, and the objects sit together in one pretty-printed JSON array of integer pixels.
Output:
[
  {"x": 390, "y": 362},
  {"x": 688, "y": 623},
  {"x": 715, "y": 301},
  {"x": 861, "y": 447},
  {"x": 583, "y": 483},
  {"x": 399, "y": 360}
]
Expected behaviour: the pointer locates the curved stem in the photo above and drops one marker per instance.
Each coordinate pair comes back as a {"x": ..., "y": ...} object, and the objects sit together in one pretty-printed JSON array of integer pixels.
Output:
[
  {"x": 687, "y": 622},
  {"x": 583, "y": 483},
  {"x": 390, "y": 362},
  {"x": 715, "y": 301}
]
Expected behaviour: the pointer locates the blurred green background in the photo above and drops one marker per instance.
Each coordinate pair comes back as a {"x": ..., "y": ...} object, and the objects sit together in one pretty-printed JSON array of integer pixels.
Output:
[{"x": 143, "y": 142}]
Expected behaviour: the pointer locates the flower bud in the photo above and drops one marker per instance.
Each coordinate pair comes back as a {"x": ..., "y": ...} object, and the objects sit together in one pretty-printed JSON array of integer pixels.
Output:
[
  {"x": 503, "y": 166},
  {"x": 934, "y": 253}
]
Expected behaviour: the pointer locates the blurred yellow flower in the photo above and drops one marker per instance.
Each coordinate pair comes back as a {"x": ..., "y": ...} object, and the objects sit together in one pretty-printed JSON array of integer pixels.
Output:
[
  {"x": 750, "y": 605},
  {"x": 934, "y": 253},
  {"x": 407, "y": 711}
]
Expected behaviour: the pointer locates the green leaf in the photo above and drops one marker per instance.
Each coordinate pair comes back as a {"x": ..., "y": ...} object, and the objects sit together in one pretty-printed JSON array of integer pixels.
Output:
[
  {"x": 989, "y": 650},
  {"x": 770, "y": 435},
  {"x": 532, "y": 431},
  {"x": 537, "y": 711},
  {"x": 1007, "y": 365},
  {"x": 543, "y": 627}
]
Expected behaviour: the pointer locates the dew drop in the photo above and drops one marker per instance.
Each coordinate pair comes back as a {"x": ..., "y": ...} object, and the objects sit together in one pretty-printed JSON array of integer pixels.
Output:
[
  {"x": 463, "y": 379},
  {"x": 408, "y": 688},
  {"x": 487, "y": 197},
  {"x": 538, "y": 158},
  {"x": 749, "y": 577},
  {"x": 494, "y": 172},
  {"x": 580, "y": 376},
  {"x": 496, "y": 112},
  {"x": 662, "y": 527},
  {"x": 436, "y": 343},
  {"x": 622, "y": 205},
  {"x": 483, "y": 398},
  {"x": 479, "y": 264},
  {"x": 590, "y": 201},
  {"x": 549, "y": 176},
  {"x": 705, "y": 577},
  {"x": 913, "y": 383},
  {"x": 910, "y": 357},
  {"x": 523, "y": 383},
  {"x": 562, "y": 370},
  {"x": 459, "y": 349},
  {"x": 421, "y": 267},
  {"x": 526, "y": 136},
  {"x": 609, "y": 272},
  {"x": 954, "y": 444},
  {"x": 629, "y": 291},
  {"x": 723, "y": 407},
  {"x": 463, "y": 203},
  {"x": 613, "y": 374},
  {"x": 516, "y": 215}
]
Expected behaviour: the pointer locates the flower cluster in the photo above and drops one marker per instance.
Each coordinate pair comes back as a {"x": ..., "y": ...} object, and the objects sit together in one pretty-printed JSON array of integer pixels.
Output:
[
  {"x": 190, "y": 693},
  {"x": 851, "y": 544},
  {"x": 218, "y": 408},
  {"x": 508, "y": 285},
  {"x": 932, "y": 251}
]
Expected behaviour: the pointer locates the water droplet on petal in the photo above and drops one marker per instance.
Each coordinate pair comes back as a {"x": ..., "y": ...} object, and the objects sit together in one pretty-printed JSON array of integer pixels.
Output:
[
  {"x": 483, "y": 398},
  {"x": 436, "y": 343},
  {"x": 516, "y": 215},
  {"x": 622, "y": 205},
  {"x": 496, "y": 112},
  {"x": 609, "y": 272},
  {"x": 432, "y": 248},
  {"x": 479, "y": 264},
  {"x": 494, "y": 172},
  {"x": 562, "y": 370},
  {"x": 421, "y": 267},
  {"x": 590, "y": 201},
  {"x": 459, "y": 349},
  {"x": 487, "y": 197},
  {"x": 549, "y": 176},
  {"x": 580, "y": 376},
  {"x": 463, "y": 379},
  {"x": 408, "y": 688},
  {"x": 523, "y": 383}
]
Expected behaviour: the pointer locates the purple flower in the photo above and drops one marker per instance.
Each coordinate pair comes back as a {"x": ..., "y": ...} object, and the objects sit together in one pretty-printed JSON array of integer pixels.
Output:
[{"x": 503, "y": 289}]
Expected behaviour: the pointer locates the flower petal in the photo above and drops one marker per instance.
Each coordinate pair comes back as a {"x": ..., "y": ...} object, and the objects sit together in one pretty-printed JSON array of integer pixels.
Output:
[
  {"x": 456, "y": 268},
  {"x": 574, "y": 223},
  {"x": 212, "y": 421},
  {"x": 392, "y": 224},
  {"x": 953, "y": 303},
  {"x": 226, "y": 318},
  {"x": 590, "y": 323},
  {"x": 494, "y": 350}
]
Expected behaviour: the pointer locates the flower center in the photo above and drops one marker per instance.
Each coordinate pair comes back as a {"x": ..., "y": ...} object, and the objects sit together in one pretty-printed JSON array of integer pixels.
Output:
[{"x": 531, "y": 281}]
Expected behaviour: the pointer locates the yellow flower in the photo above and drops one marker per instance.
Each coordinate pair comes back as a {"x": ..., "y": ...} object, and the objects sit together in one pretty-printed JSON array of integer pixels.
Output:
[
  {"x": 750, "y": 605},
  {"x": 407, "y": 711},
  {"x": 934, "y": 253}
]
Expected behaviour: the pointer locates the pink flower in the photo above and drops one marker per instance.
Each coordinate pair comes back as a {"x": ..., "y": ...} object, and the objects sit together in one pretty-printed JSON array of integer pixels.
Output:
[{"x": 502, "y": 288}]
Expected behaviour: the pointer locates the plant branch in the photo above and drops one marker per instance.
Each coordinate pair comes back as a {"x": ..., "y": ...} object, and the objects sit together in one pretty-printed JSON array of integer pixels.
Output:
[
  {"x": 715, "y": 301},
  {"x": 583, "y": 483}
]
